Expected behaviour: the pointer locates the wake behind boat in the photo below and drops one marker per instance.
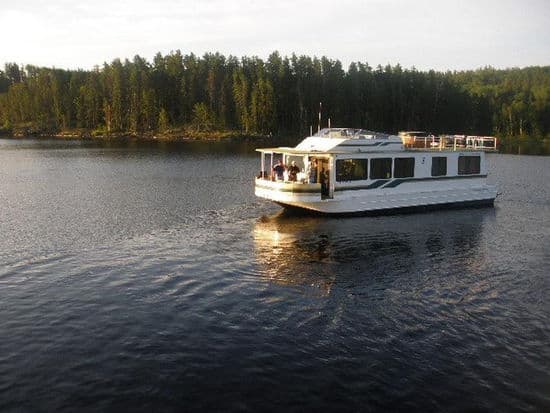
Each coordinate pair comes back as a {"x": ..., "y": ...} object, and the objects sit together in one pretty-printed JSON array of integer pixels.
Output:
[{"x": 354, "y": 171}]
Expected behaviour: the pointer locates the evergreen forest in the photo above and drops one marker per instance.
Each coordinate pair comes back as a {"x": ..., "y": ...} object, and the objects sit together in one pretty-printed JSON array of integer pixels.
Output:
[{"x": 279, "y": 96}]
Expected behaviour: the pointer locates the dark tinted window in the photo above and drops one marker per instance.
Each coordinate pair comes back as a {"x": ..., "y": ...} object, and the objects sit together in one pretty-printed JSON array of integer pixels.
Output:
[
  {"x": 380, "y": 168},
  {"x": 439, "y": 166},
  {"x": 351, "y": 169},
  {"x": 468, "y": 165},
  {"x": 403, "y": 168}
]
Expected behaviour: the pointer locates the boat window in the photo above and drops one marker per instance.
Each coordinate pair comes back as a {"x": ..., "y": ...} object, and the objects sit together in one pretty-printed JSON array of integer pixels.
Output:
[
  {"x": 439, "y": 166},
  {"x": 351, "y": 169},
  {"x": 380, "y": 168},
  {"x": 468, "y": 165},
  {"x": 403, "y": 168}
]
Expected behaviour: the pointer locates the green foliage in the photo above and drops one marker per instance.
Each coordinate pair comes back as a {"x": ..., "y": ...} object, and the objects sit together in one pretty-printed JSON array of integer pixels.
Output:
[
  {"x": 164, "y": 121},
  {"x": 279, "y": 96},
  {"x": 241, "y": 96},
  {"x": 203, "y": 119}
]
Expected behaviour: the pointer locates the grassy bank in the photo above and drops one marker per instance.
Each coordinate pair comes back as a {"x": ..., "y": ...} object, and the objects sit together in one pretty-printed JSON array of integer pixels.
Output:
[{"x": 173, "y": 134}]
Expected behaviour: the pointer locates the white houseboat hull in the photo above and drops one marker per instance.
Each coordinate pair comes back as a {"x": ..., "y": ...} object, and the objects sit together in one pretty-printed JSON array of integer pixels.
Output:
[{"x": 411, "y": 197}]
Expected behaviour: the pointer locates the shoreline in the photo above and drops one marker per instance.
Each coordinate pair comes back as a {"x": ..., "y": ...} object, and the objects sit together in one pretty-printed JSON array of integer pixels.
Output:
[
  {"x": 519, "y": 147},
  {"x": 171, "y": 136}
]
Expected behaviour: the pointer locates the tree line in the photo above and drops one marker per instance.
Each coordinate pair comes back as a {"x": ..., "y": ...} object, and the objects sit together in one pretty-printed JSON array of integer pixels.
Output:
[{"x": 278, "y": 96}]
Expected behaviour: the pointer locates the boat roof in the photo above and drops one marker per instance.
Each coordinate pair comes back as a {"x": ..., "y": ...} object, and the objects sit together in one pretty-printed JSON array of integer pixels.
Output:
[
  {"x": 295, "y": 151},
  {"x": 331, "y": 141},
  {"x": 342, "y": 141}
]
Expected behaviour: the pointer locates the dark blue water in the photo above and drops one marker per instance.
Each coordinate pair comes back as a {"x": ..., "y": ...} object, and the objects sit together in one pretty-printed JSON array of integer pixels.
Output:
[{"x": 147, "y": 277}]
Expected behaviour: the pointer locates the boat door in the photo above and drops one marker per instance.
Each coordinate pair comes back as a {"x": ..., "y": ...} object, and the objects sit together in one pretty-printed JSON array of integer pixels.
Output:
[{"x": 327, "y": 189}]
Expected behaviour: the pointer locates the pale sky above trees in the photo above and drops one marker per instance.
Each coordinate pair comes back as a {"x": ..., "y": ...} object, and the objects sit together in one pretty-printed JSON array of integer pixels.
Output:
[{"x": 441, "y": 35}]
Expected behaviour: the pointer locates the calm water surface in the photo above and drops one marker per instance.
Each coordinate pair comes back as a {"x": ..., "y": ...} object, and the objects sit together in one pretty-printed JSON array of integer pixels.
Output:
[{"x": 148, "y": 277}]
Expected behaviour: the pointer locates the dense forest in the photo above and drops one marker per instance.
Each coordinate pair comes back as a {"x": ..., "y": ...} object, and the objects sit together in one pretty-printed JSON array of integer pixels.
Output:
[{"x": 278, "y": 96}]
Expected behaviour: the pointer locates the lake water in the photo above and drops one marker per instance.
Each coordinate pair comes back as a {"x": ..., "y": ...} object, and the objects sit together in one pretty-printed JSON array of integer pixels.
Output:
[{"x": 148, "y": 277}]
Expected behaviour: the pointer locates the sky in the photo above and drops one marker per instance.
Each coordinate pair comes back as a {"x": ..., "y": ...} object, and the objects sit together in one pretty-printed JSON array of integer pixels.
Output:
[{"x": 427, "y": 34}]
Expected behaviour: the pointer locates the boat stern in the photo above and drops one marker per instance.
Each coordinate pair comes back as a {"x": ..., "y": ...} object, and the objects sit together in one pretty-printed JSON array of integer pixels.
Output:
[{"x": 290, "y": 193}]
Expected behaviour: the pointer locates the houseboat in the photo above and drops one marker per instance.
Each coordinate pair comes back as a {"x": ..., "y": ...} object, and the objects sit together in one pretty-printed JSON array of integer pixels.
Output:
[{"x": 343, "y": 171}]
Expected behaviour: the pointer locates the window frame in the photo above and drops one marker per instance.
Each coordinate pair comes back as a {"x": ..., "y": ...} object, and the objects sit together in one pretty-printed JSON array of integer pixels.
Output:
[
  {"x": 469, "y": 165},
  {"x": 405, "y": 167},
  {"x": 388, "y": 170},
  {"x": 348, "y": 177},
  {"x": 446, "y": 166}
]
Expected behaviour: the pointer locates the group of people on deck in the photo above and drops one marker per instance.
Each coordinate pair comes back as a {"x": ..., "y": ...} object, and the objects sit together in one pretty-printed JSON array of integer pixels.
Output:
[{"x": 279, "y": 171}]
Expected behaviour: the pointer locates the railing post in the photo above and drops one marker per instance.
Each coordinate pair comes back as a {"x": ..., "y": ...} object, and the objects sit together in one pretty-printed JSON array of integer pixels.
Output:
[{"x": 262, "y": 166}]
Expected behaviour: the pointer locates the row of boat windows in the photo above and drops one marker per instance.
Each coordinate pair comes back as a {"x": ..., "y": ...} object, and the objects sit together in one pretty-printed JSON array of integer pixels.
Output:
[{"x": 381, "y": 168}]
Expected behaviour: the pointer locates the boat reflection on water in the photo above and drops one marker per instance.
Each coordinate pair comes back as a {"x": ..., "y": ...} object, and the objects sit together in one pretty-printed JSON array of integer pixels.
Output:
[
  {"x": 290, "y": 250},
  {"x": 318, "y": 252}
]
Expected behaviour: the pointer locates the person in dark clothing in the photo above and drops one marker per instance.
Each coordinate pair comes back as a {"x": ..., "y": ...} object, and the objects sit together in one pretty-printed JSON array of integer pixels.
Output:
[
  {"x": 279, "y": 170},
  {"x": 323, "y": 178},
  {"x": 312, "y": 171}
]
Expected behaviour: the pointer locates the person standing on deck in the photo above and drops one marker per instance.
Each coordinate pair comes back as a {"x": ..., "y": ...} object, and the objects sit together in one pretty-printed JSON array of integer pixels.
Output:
[
  {"x": 279, "y": 170},
  {"x": 293, "y": 172},
  {"x": 323, "y": 180},
  {"x": 312, "y": 171}
]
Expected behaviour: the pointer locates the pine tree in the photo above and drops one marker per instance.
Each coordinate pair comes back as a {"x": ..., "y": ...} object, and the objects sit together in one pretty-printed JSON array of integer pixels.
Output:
[{"x": 164, "y": 121}]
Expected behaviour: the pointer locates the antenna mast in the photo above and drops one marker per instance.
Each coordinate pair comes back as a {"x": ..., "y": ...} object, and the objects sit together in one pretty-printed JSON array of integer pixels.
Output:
[{"x": 319, "y": 125}]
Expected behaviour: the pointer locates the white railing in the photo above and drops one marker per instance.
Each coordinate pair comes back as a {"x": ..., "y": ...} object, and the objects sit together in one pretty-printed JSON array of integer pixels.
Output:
[{"x": 454, "y": 142}]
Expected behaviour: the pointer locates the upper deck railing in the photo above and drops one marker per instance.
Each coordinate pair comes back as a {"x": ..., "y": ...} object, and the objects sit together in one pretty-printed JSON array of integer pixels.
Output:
[{"x": 449, "y": 142}]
